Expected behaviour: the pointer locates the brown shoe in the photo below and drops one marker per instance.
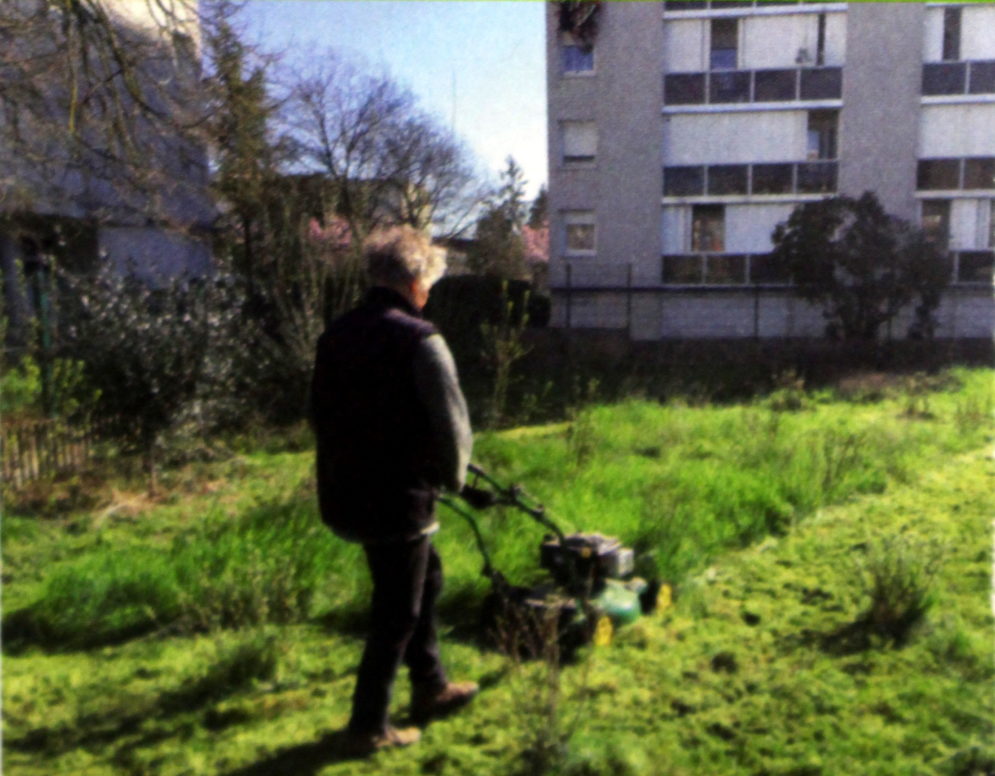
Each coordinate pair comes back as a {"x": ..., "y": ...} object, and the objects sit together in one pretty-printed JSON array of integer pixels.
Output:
[
  {"x": 363, "y": 744},
  {"x": 427, "y": 703}
]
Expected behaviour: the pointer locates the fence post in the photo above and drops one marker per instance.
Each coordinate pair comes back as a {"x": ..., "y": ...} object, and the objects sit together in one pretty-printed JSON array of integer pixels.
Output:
[
  {"x": 628, "y": 299},
  {"x": 569, "y": 292}
]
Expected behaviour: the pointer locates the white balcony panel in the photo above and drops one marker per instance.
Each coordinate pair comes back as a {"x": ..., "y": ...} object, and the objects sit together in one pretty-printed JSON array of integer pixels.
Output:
[
  {"x": 734, "y": 138},
  {"x": 774, "y": 41},
  {"x": 684, "y": 46},
  {"x": 968, "y": 224},
  {"x": 957, "y": 130},
  {"x": 835, "y": 39},
  {"x": 932, "y": 50},
  {"x": 676, "y": 221},
  {"x": 978, "y": 32},
  {"x": 749, "y": 227}
]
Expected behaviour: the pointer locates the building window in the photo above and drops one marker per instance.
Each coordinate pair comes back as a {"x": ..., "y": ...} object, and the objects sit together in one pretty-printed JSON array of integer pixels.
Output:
[
  {"x": 685, "y": 5},
  {"x": 579, "y": 232},
  {"x": 817, "y": 177},
  {"x": 979, "y": 173},
  {"x": 936, "y": 221},
  {"x": 944, "y": 77},
  {"x": 728, "y": 179},
  {"x": 683, "y": 181},
  {"x": 684, "y": 88},
  {"x": 938, "y": 174},
  {"x": 580, "y": 141},
  {"x": 982, "y": 77},
  {"x": 951, "y": 34},
  {"x": 577, "y": 59},
  {"x": 975, "y": 267},
  {"x": 729, "y": 87},
  {"x": 708, "y": 228},
  {"x": 821, "y": 83},
  {"x": 725, "y": 270},
  {"x": 775, "y": 85},
  {"x": 772, "y": 178},
  {"x": 822, "y": 134},
  {"x": 725, "y": 35},
  {"x": 682, "y": 270}
]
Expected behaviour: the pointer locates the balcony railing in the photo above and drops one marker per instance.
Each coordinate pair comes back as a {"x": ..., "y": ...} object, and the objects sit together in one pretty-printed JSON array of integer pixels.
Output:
[
  {"x": 817, "y": 177},
  {"x": 722, "y": 5},
  {"x": 953, "y": 78},
  {"x": 721, "y": 269},
  {"x": 976, "y": 172},
  {"x": 973, "y": 268},
  {"x": 968, "y": 268},
  {"x": 719, "y": 87}
]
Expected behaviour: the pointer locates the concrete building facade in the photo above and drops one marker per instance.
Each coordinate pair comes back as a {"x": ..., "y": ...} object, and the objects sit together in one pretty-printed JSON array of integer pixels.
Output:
[
  {"x": 143, "y": 206},
  {"x": 682, "y": 133}
]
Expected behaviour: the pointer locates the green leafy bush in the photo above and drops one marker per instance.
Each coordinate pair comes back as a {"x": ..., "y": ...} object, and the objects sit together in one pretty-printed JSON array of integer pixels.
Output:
[
  {"x": 20, "y": 387},
  {"x": 157, "y": 355}
]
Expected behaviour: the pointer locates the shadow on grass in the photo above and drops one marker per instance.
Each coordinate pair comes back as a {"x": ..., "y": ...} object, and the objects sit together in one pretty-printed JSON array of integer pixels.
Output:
[
  {"x": 459, "y": 618},
  {"x": 23, "y": 629},
  {"x": 303, "y": 759},
  {"x": 234, "y": 670}
]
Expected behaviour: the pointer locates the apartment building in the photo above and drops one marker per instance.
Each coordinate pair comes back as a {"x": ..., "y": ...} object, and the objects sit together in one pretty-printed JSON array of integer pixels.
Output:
[{"x": 682, "y": 133}]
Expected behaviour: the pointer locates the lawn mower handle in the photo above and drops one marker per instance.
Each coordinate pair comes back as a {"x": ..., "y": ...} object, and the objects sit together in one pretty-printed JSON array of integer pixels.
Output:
[{"x": 511, "y": 495}]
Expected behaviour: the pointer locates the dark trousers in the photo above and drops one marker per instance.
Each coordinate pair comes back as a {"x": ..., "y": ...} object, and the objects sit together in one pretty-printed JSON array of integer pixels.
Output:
[{"x": 407, "y": 579}]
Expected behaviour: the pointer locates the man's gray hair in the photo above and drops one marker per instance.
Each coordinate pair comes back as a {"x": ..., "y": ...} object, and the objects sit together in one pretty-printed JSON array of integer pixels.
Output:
[{"x": 397, "y": 255}]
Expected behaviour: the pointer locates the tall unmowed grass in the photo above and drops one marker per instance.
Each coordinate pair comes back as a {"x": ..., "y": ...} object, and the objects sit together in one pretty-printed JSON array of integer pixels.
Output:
[
  {"x": 679, "y": 483},
  {"x": 264, "y": 566}
]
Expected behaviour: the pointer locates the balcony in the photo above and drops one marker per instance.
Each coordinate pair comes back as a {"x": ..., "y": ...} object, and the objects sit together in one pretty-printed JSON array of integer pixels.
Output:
[
  {"x": 969, "y": 268},
  {"x": 722, "y": 87},
  {"x": 700, "y": 6},
  {"x": 816, "y": 177},
  {"x": 974, "y": 268},
  {"x": 721, "y": 269},
  {"x": 954, "y": 174},
  {"x": 958, "y": 78}
]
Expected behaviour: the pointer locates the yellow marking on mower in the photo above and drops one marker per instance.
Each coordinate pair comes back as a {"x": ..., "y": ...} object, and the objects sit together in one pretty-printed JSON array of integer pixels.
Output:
[
  {"x": 603, "y": 632},
  {"x": 664, "y": 598}
]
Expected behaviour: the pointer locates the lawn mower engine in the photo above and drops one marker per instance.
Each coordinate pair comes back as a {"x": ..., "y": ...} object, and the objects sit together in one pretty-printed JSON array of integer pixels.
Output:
[
  {"x": 583, "y": 562},
  {"x": 592, "y": 588}
]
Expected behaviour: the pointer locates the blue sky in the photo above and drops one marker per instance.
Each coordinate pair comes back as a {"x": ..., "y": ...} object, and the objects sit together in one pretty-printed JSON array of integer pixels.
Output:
[{"x": 477, "y": 65}]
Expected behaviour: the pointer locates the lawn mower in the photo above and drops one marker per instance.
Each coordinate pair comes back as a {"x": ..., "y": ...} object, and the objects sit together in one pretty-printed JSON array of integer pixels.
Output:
[{"x": 592, "y": 588}]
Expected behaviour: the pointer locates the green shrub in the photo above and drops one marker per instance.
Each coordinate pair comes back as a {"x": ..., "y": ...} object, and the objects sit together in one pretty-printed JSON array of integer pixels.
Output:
[
  {"x": 896, "y": 576},
  {"x": 20, "y": 387}
]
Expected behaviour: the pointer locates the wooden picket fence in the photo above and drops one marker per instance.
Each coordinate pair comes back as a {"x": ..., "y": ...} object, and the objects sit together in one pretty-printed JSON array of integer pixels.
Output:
[{"x": 32, "y": 449}]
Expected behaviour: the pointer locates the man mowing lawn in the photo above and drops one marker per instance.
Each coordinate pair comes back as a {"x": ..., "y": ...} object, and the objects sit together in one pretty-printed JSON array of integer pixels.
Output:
[{"x": 392, "y": 429}]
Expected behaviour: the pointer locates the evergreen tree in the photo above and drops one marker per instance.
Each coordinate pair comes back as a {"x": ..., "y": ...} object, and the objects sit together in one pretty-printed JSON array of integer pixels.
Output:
[{"x": 499, "y": 249}]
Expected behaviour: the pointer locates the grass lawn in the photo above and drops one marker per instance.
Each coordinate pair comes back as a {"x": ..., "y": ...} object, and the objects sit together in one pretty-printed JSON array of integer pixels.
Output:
[{"x": 832, "y": 556}]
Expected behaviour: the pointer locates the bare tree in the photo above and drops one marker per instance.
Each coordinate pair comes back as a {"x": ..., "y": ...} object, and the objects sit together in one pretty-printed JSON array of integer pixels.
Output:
[{"x": 386, "y": 160}]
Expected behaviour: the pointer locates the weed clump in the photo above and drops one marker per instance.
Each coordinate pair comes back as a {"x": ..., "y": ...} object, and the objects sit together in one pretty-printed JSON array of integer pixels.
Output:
[{"x": 896, "y": 577}]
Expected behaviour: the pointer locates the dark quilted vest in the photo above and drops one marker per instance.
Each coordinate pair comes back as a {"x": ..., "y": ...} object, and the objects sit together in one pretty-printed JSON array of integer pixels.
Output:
[{"x": 375, "y": 477}]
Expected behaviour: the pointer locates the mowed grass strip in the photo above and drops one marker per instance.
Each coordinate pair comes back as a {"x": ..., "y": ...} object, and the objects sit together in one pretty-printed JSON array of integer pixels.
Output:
[
  {"x": 768, "y": 663},
  {"x": 678, "y": 483}
]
